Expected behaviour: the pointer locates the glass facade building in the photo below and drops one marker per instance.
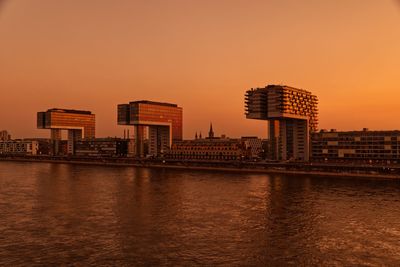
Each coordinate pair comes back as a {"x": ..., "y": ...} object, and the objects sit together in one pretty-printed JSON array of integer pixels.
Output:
[
  {"x": 163, "y": 121},
  {"x": 79, "y": 124}
]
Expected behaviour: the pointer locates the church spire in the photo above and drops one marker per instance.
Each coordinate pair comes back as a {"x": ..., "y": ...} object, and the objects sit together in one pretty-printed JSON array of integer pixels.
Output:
[
  {"x": 195, "y": 137},
  {"x": 211, "y": 132}
]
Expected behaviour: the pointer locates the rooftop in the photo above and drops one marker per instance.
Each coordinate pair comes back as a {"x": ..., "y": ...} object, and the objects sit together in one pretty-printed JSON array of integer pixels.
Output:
[
  {"x": 73, "y": 111},
  {"x": 153, "y": 103},
  {"x": 277, "y": 86}
]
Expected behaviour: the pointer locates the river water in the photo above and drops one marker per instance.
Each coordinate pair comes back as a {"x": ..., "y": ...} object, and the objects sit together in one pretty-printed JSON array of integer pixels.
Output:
[{"x": 57, "y": 214}]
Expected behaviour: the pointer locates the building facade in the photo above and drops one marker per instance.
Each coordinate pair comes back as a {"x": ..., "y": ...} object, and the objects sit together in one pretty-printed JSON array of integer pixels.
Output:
[
  {"x": 102, "y": 147},
  {"x": 44, "y": 145},
  {"x": 4, "y": 136},
  {"x": 208, "y": 149},
  {"x": 254, "y": 145},
  {"x": 160, "y": 122},
  {"x": 79, "y": 124},
  {"x": 356, "y": 146},
  {"x": 19, "y": 147},
  {"x": 292, "y": 116}
]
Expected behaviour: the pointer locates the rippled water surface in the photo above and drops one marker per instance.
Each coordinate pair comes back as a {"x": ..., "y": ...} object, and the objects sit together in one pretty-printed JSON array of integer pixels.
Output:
[{"x": 55, "y": 214}]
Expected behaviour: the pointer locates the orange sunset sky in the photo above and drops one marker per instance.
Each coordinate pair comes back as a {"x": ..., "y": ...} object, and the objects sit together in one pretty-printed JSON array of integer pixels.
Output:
[{"x": 200, "y": 54}]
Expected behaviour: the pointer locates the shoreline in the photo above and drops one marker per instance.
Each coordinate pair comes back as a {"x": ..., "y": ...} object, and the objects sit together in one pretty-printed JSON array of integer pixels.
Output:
[{"x": 359, "y": 175}]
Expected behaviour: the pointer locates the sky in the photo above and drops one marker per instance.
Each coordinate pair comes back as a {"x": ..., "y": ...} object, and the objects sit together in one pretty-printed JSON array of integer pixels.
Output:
[{"x": 202, "y": 55}]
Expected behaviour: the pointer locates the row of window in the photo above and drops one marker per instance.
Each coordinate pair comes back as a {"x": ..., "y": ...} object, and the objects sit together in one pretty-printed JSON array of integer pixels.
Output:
[
  {"x": 204, "y": 153},
  {"x": 203, "y": 157},
  {"x": 205, "y": 148}
]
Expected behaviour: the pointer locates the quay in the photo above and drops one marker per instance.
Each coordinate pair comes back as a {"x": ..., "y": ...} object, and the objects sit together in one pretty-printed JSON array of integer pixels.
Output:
[{"x": 344, "y": 170}]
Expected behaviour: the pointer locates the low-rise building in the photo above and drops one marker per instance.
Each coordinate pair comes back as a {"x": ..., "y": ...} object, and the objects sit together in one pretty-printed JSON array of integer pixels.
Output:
[
  {"x": 44, "y": 145},
  {"x": 356, "y": 146},
  {"x": 208, "y": 149},
  {"x": 102, "y": 147},
  {"x": 19, "y": 147},
  {"x": 4, "y": 136},
  {"x": 254, "y": 145}
]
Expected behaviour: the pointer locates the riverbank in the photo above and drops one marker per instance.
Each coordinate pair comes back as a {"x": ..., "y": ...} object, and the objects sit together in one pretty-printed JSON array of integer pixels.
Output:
[{"x": 328, "y": 170}]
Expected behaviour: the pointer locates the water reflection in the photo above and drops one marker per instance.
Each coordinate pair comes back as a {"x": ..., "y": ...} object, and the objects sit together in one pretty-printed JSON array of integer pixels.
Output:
[{"x": 56, "y": 214}]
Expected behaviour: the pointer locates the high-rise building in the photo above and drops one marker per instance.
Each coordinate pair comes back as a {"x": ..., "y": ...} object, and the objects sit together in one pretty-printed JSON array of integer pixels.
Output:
[
  {"x": 79, "y": 124},
  {"x": 292, "y": 114},
  {"x": 163, "y": 121}
]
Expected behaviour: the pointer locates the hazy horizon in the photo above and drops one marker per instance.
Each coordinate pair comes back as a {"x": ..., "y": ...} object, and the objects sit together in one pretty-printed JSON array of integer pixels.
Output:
[{"x": 201, "y": 55}]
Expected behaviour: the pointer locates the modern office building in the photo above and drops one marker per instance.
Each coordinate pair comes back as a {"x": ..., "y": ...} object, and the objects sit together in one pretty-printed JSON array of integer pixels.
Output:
[
  {"x": 161, "y": 123},
  {"x": 292, "y": 115},
  {"x": 4, "y": 136},
  {"x": 356, "y": 146},
  {"x": 79, "y": 124}
]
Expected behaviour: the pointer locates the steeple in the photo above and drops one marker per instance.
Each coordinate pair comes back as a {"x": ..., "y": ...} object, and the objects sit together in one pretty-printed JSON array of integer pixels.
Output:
[
  {"x": 200, "y": 136},
  {"x": 195, "y": 137},
  {"x": 211, "y": 132}
]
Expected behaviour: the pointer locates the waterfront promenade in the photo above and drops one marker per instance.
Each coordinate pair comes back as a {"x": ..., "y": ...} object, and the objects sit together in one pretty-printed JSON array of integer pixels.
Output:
[{"x": 312, "y": 168}]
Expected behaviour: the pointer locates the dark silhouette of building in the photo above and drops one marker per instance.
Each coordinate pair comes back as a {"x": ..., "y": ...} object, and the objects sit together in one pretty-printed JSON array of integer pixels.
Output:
[{"x": 211, "y": 132}]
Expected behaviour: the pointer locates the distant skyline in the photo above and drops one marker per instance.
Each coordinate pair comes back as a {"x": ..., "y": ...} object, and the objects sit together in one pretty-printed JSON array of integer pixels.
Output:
[{"x": 201, "y": 55}]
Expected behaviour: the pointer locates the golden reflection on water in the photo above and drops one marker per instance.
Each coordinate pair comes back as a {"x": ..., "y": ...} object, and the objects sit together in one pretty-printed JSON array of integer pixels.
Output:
[{"x": 65, "y": 214}]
